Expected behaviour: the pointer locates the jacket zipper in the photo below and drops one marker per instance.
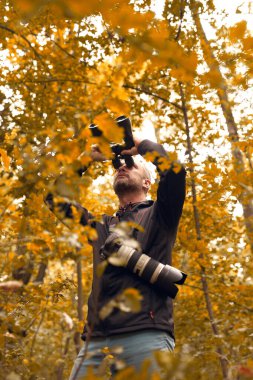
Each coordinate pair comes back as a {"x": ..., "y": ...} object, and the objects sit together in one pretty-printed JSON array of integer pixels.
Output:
[{"x": 152, "y": 315}]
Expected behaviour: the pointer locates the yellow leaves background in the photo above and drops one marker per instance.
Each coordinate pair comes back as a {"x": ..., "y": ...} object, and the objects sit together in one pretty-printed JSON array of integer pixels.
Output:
[{"x": 64, "y": 70}]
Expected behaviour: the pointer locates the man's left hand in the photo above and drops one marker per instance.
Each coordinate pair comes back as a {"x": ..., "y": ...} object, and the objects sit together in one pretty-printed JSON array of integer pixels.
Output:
[{"x": 134, "y": 150}]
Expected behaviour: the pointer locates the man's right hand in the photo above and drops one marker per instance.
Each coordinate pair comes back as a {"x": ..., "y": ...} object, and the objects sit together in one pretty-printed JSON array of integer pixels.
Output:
[
  {"x": 115, "y": 251},
  {"x": 96, "y": 154}
]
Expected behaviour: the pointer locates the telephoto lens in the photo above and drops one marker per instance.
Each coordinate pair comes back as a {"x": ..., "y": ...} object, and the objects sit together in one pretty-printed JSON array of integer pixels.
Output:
[{"x": 162, "y": 276}]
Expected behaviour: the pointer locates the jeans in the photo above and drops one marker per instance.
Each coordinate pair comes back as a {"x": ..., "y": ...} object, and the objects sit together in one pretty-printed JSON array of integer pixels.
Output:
[{"x": 135, "y": 347}]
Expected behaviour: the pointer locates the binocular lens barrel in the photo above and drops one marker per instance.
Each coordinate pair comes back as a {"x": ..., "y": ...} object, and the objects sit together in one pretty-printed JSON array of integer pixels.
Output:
[
  {"x": 125, "y": 123},
  {"x": 96, "y": 132},
  {"x": 117, "y": 162}
]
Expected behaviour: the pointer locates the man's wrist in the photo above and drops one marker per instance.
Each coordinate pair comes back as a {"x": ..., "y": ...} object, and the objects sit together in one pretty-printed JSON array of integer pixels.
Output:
[{"x": 145, "y": 146}]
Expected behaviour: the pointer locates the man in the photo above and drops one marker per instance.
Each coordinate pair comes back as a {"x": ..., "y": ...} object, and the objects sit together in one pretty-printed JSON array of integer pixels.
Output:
[{"x": 139, "y": 333}]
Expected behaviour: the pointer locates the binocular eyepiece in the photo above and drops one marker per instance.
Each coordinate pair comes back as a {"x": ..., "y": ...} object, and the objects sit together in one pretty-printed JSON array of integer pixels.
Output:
[{"x": 125, "y": 123}]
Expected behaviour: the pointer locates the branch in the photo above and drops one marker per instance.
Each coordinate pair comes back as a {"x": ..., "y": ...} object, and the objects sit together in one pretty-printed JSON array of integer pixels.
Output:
[
  {"x": 66, "y": 52},
  {"x": 23, "y": 37},
  {"x": 6, "y": 208},
  {"x": 152, "y": 94},
  {"x": 181, "y": 16},
  {"x": 37, "y": 330},
  {"x": 248, "y": 188},
  {"x": 221, "y": 296},
  {"x": 137, "y": 89},
  {"x": 249, "y": 159},
  {"x": 50, "y": 80}
]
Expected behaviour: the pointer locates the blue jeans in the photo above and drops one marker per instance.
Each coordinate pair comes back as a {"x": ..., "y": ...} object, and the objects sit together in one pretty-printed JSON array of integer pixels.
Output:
[{"x": 135, "y": 347}]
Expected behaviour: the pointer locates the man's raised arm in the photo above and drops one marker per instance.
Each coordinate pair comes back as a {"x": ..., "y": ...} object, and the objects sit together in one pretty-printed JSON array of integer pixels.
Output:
[
  {"x": 66, "y": 209},
  {"x": 171, "y": 188}
]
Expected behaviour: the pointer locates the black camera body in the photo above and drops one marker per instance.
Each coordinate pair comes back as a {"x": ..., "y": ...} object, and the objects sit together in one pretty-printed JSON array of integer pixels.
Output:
[{"x": 125, "y": 123}]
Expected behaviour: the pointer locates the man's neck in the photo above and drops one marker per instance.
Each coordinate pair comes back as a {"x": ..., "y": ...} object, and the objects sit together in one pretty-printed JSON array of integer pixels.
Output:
[{"x": 132, "y": 197}]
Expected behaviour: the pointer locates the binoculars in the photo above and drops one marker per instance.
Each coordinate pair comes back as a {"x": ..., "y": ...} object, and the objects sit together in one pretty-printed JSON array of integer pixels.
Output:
[{"x": 117, "y": 161}]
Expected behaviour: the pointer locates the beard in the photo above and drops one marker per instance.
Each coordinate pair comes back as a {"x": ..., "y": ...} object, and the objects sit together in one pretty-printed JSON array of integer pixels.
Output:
[{"x": 125, "y": 185}]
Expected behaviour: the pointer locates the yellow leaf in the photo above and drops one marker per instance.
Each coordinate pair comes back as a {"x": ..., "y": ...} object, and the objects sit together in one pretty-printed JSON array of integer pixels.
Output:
[
  {"x": 25, "y": 6},
  {"x": 85, "y": 159},
  {"x": 91, "y": 233},
  {"x": 82, "y": 8},
  {"x": 118, "y": 106},
  {"x": 107, "y": 309},
  {"x": 127, "y": 301},
  {"x": 130, "y": 300},
  {"x": 177, "y": 167},
  {"x": 117, "y": 18},
  {"x": 136, "y": 226},
  {"x": 237, "y": 31},
  {"x": 32, "y": 247},
  {"x": 82, "y": 117},
  {"x": 5, "y": 159},
  {"x": 151, "y": 156},
  {"x": 247, "y": 43},
  {"x": 164, "y": 164},
  {"x": 213, "y": 77},
  {"x": 11, "y": 255},
  {"x": 110, "y": 129}
]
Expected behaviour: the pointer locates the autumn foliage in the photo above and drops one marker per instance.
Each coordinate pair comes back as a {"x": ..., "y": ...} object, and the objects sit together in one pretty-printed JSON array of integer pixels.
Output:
[{"x": 68, "y": 63}]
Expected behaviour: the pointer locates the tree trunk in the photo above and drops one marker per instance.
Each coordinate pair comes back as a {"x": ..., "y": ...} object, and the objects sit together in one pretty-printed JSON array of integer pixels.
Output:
[
  {"x": 219, "y": 350},
  {"x": 41, "y": 273},
  {"x": 24, "y": 272},
  {"x": 61, "y": 365},
  {"x": 79, "y": 302},
  {"x": 222, "y": 91}
]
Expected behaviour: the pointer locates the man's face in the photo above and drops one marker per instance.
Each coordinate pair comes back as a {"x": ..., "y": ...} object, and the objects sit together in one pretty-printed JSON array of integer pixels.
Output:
[{"x": 128, "y": 180}]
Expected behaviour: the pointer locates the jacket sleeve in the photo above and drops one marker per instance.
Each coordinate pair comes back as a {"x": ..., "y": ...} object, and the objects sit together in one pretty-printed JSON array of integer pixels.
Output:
[
  {"x": 65, "y": 209},
  {"x": 171, "y": 188}
]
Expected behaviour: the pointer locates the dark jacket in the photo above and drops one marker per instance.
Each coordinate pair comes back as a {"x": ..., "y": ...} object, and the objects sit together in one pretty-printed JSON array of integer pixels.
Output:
[{"x": 159, "y": 220}]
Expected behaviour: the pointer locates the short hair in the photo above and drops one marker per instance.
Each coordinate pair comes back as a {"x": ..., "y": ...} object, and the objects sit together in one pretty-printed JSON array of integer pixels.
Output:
[{"x": 141, "y": 161}]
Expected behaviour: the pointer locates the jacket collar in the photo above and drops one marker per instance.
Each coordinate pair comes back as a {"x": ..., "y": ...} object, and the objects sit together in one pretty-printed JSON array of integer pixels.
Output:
[{"x": 130, "y": 207}]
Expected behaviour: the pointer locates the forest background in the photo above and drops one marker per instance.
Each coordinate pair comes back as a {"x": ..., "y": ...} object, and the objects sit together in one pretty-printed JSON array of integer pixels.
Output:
[{"x": 65, "y": 64}]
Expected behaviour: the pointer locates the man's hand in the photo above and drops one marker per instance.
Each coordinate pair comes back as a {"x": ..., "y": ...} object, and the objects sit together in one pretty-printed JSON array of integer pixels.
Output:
[
  {"x": 96, "y": 154},
  {"x": 134, "y": 150},
  {"x": 115, "y": 251}
]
